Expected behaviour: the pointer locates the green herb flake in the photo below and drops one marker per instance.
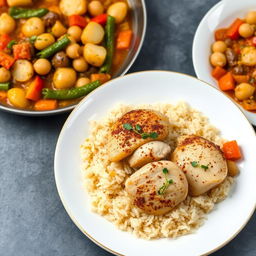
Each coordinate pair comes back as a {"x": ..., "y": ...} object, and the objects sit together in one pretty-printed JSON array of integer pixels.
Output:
[
  {"x": 205, "y": 167},
  {"x": 165, "y": 171},
  {"x": 170, "y": 181},
  {"x": 144, "y": 135},
  {"x": 194, "y": 164},
  {"x": 138, "y": 128},
  {"x": 32, "y": 39},
  {"x": 153, "y": 135},
  {"x": 127, "y": 126}
]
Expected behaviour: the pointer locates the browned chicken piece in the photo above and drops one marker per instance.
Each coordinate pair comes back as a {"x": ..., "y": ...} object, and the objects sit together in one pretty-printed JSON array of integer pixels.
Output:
[
  {"x": 134, "y": 129},
  {"x": 202, "y": 161},
  {"x": 149, "y": 152},
  {"x": 157, "y": 187}
]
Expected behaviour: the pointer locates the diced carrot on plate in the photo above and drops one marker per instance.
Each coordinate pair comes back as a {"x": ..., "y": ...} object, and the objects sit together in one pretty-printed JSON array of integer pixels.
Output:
[
  {"x": 45, "y": 105},
  {"x": 227, "y": 82},
  {"x": 231, "y": 150},
  {"x": 218, "y": 72}
]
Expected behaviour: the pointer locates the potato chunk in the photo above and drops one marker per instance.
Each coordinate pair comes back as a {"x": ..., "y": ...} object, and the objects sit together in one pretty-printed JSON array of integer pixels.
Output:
[
  {"x": 248, "y": 56},
  {"x": 77, "y": 7},
  {"x": 19, "y": 2}
]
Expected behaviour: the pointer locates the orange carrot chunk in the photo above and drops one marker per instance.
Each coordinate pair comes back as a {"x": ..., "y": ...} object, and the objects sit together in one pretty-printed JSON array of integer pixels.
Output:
[
  {"x": 227, "y": 82},
  {"x": 103, "y": 78},
  {"x": 231, "y": 150},
  {"x": 6, "y": 60},
  {"x": 44, "y": 105},
  {"x": 124, "y": 39},
  {"x": 22, "y": 51},
  {"x": 34, "y": 91},
  {"x": 221, "y": 34},
  {"x": 249, "y": 105},
  {"x": 233, "y": 30},
  {"x": 218, "y": 72},
  {"x": 241, "y": 78},
  {"x": 3, "y": 95}
]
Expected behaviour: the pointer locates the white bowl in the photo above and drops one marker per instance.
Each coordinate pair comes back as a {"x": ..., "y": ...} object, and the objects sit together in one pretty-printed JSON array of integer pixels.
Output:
[
  {"x": 229, "y": 216},
  {"x": 219, "y": 16}
]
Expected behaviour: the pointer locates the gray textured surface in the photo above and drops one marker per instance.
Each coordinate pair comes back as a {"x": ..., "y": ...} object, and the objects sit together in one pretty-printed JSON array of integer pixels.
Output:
[{"x": 32, "y": 219}]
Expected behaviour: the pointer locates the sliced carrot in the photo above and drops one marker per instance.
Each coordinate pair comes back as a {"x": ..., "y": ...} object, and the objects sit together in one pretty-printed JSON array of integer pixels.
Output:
[
  {"x": 3, "y": 95},
  {"x": 103, "y": 78},
  {"x": 44, "y": 105},
  {"x": 22, "y": 51},
  {"x": 227, "y": 82},
  {"x": 77, "y": 20},
  {"x": 34, "y": 91},
  {"x": 218, "y": 72},
  {"x": 124, "y": 39},
  {"x": 231, "y": 150},
  {"x": 233, "y": 30},
  {"x": 241, "y": 78},
  {"x": 4, "y": 41},
  {"x": 221, "y": 34},
  {"x": 3, "y": 3},
  {"x": 249, "y": 105},
  {"x": 6, "y": 60}
]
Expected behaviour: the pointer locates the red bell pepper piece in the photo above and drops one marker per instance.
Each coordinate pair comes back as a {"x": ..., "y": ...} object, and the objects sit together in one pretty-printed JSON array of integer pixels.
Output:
[
  {"x": 233, "y": 30},
  {"x": 6, "y": 60},
  {"x": 101, "y": 19},
  {"x": 34, "y": 91},
  {"x": 4, "y": 41},
  {"x": 77, "y": 20},
  {"x": 3, "y": 3}
]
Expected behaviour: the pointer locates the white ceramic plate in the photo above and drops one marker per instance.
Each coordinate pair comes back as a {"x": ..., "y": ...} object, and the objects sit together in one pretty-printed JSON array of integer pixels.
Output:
[
  {"x": 228, "y": 218},
  {"x": 219, "y": 16}
]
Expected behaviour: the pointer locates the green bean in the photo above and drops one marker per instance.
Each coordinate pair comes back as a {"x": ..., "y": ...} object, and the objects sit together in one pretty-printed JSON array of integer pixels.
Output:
[
  {"x": 70, "y": 93},
  {"x": 5, "y": 86},
  {"x": 110, "y": 33},
  {"x": 11, "y": 44},
  {"x": 52, "y": 49},
  {"x": 22, "y": 13}
]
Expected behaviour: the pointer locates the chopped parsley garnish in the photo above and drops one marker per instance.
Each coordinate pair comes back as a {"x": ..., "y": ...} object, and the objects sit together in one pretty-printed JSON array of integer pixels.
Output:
[
  {"x": 166, "y": 184},
  {"x": 138, "y": 129},
  {"x": 196, "y": 164},
  {"x": 32, "y": 39},
  {"x": 204, "y": 166}
]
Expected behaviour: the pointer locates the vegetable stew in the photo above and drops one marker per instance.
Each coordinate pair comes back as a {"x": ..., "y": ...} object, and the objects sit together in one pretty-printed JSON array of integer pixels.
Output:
[
  {"x": 52, "y": 53},
  {"x": 234, "y": 60}
]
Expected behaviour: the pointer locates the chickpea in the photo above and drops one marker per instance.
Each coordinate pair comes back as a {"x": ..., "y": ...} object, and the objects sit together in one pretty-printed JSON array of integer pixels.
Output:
[
  {"x": 219, "y": 46},
  {"x": 73, "y": 51},
  {"x": 75, "y": 32},
  {"x": 44, "y": 40},
  {"x": 17, "y": 97},
  {"x": 246, "y": 30},
  {"x": 42, "y": 66},
  {"x": 7, "y": 24},
  {"x": 251, "y": 17},
  {"x": 95, "y": 8},
  {"x": 82, "y": 81},
  {"x": 93, "y": 33},
  {"x": 5, "y": 75},
  {"x": 33, "y": 27},
  {"x": 64, "y": 78},
  {"x": 80, "y": 65},
  {"x": 58, "y": 29},
  {"x": 118, "y": 10},
  {"x": 244, "y": 91},
  {"x": 218, "y": 59}
]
